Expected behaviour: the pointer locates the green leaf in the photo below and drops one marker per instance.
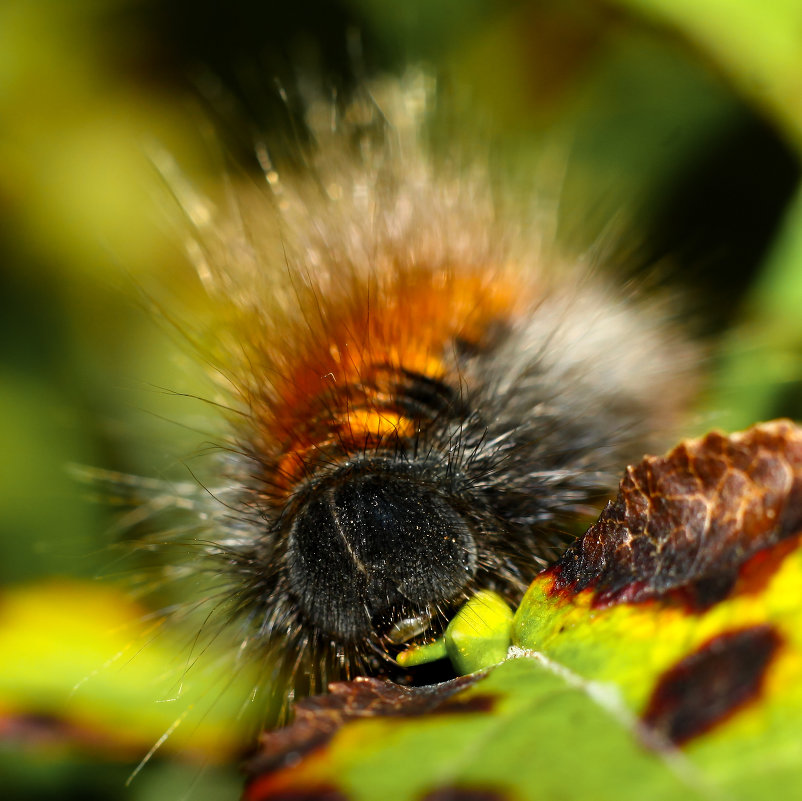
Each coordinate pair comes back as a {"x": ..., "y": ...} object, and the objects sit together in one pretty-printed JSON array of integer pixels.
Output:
[
  {"x": 531, "y": 730},
  {"x": 660, "y": 657}
]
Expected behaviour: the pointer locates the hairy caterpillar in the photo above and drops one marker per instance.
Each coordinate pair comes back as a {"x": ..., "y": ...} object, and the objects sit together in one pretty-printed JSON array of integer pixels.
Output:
[{"x": 420, "y": 396}]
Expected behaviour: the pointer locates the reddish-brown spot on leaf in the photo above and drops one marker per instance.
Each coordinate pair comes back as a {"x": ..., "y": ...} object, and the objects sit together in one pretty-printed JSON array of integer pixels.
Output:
[
  {"x": 757, "y": 572},
  {"x": 712, "y": 683},
  {"x": 321, "y": 793},
  {"x": 464, "y": 794},
  {"x": 317, "y": 719},
  {"x": 685, "y": 523},
  {"x": 463, "y": 706},
  {"x": 45, "y": 732}
]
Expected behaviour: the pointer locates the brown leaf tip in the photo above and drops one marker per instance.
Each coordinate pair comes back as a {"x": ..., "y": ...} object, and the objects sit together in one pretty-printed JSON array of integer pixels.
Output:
[
  {"x": 686, "y": 522},
  {"x": 715, "y": 681}
]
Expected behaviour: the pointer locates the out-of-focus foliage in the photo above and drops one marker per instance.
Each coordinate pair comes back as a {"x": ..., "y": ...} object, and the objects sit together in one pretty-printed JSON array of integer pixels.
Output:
[
  {"x": 669, "y": 131},
  {"x": 756, "y": 46},
  {"x": 98, "y": 635}
]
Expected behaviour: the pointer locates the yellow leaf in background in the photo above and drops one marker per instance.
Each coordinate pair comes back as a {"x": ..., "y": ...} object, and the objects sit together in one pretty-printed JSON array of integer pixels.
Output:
[{"x": 84, "y": 655}]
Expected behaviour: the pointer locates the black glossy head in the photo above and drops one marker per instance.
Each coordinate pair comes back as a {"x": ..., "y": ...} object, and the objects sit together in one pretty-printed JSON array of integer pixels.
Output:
[{"x": 375, "y": 543}]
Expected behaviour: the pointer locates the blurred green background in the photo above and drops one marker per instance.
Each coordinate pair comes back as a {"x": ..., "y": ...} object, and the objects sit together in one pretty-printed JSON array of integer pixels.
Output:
[{"x": 677, "y": 127}]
